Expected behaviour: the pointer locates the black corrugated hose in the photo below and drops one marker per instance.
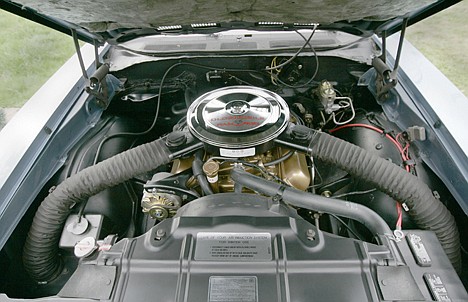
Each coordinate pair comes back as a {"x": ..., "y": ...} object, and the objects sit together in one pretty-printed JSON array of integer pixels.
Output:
[
  {"x": 427, "y": 211},
  {"x": 40, "y": 254}
]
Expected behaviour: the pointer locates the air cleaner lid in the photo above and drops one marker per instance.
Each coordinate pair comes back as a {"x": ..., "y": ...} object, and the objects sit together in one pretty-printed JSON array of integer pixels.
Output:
[{"x": 238, "y": 117}]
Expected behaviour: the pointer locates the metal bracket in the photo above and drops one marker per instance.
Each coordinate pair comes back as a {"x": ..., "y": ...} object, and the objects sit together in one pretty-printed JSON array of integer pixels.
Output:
[
  {"x": 96, "y": 85},
  {"x": 387, "y": 78}
]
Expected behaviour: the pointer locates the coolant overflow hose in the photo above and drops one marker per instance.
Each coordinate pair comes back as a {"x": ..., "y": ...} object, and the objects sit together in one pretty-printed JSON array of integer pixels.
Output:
[
  {"x": 40, "y": 254},
  {"x": 427, "y": 211}
]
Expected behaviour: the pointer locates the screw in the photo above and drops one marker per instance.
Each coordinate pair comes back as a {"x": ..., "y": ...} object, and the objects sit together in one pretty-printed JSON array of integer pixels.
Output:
[
  {"x": 327, "y": 193},
  {"x": 379, "y": 146}
]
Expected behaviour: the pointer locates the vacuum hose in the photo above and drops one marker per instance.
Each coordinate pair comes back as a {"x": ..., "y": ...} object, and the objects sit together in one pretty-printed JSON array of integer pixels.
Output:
[
  {"x": 427, "y": 211},
  {"x": 40, "y": 254}
]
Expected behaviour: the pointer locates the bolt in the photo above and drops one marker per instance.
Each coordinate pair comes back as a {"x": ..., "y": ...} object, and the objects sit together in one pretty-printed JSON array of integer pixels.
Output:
[
  {"x": 310, "y": 233},
  {"x": 158, "y": 213},
  {"x": 379, "y": 146},
  {"x": 160, "y": 233},
  {"x": 327, "y": 193},
  {"x": 384, "y": 282},
  {"x": 108, "y": 282},
  {"x": 47, "y": 130}
]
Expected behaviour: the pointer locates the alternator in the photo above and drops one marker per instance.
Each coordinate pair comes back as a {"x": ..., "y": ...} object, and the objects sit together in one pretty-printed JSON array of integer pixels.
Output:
[{"x": 160, "y": 205}]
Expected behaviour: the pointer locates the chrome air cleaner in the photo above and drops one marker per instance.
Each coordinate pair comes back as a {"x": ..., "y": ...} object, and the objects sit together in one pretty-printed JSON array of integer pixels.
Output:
[{"x": 238, "y": 121}]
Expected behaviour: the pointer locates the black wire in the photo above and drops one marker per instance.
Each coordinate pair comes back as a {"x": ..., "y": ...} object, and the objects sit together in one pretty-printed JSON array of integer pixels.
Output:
[
  {"x": 153, "y": 124},
  {"x": 307, "y": 41},
  {"x": 279, "y": 160},
  {"x": 262, "y": 170},
  {"x": 347, "y": 226},
  {"x": 299, "y": 120},
  {"x": 321, "y": 179},
  {"x": 265, "y": 172},
  {"x": 316, "y": 65},
  {"x": 159, "y": 100},
  {"x": 98, "y": 151},
  {"x": 353, "y": 193}
]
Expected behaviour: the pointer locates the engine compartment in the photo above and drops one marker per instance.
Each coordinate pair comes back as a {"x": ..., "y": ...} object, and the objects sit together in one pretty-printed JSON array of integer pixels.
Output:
[{"x": 189, "y": 228}]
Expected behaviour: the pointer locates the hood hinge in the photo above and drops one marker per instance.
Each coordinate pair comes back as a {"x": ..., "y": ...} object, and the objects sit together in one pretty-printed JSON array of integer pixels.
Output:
[
  {"x": 387, "y": 78},
  {"x": 96, "y": 84}
]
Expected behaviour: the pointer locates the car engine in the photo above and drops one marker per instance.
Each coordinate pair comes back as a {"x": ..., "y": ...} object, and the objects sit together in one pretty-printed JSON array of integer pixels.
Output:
[{"x": 211, "y": 180}]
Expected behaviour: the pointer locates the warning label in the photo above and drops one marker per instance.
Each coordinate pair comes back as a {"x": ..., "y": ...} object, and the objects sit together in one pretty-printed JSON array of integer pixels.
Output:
[
  {"x": 233, "y": 289},
  {"x": 233, "y": 246}
]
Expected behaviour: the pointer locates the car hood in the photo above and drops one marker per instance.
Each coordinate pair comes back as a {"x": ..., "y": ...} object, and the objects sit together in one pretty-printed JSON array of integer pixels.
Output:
[{"x": 106, "y": 20}]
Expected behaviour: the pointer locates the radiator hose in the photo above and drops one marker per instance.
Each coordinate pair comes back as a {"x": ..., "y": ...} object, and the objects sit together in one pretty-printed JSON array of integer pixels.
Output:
[
  {"x": 41, "y": 252},
  {"x": 294, "y": 197},
  {"x": 427, "y": 211},
  {"x": 306, "y": 200}
]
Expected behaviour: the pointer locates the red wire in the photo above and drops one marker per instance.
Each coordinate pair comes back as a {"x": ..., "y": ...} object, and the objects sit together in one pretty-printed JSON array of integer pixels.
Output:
[
  {"x": 400, "y": 216},
  {"x": 377, "y": 130},
  {"x": 403, "y": 153}
]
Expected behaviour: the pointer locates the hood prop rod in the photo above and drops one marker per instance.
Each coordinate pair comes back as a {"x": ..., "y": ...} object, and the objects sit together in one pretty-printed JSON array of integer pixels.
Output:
[
  {"x": 387, "y": 78},
  {"x": 96, "y": 84}
]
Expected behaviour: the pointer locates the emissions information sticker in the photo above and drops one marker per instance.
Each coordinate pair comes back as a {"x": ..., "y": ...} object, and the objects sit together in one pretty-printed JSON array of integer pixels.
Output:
[
  {"x": 237, "y": 152},
  {"x": 233, "y": 246},
  {"x": 233, "y": 289}
]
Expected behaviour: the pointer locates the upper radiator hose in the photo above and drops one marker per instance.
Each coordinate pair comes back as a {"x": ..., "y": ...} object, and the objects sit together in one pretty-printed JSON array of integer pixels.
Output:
[
  {"x": 426, "y": 211},
  {"x": 40, "y": 255}
]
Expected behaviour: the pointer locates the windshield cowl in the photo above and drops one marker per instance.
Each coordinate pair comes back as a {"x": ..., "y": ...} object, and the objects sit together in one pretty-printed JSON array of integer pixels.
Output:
[
  {"x": 241, "y": 43},
  {"x": 237, "y": 40}
]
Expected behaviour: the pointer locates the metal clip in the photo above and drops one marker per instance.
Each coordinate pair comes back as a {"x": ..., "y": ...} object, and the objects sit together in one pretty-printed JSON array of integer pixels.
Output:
[{"x": 399, "y": 235}]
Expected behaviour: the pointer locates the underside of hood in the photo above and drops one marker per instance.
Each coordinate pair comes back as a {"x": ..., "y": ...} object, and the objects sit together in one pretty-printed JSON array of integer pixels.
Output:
[{"x": 99, "y": 18}]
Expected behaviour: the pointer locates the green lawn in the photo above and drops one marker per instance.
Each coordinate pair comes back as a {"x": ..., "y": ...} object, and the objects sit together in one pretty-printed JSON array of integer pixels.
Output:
[
  {"x": 31, "y": 53},
  {"x": 443, "y": 39}
]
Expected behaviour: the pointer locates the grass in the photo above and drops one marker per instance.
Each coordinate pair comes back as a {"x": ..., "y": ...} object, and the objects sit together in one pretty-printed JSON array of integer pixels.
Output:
[
  {"x": 443, "y": 39},
  {"x": 31, "y": 53}
]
